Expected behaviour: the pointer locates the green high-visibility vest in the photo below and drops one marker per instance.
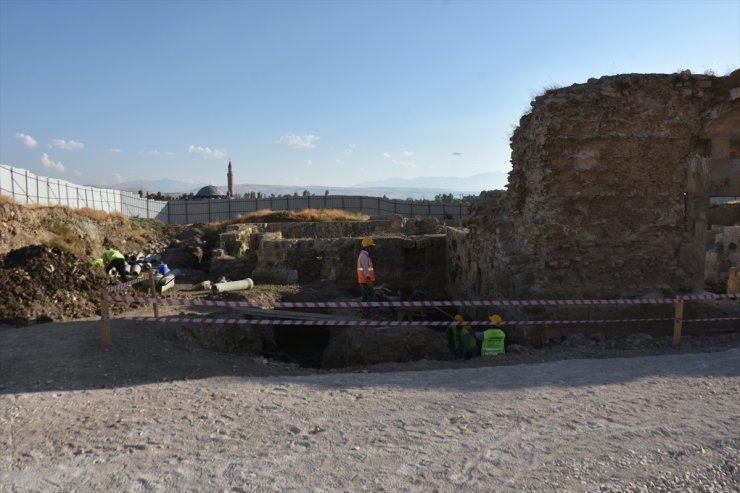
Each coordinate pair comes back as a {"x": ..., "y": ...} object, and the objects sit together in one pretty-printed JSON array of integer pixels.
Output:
[
  {"x": 111, "y": 254},
  {"x": 459, "y": 338},
  {"x": 493, "y": 342}
]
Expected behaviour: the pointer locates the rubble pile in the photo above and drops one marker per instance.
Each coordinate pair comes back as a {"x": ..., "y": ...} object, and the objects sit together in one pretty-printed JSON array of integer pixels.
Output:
[{"x": 42, "y": 284}]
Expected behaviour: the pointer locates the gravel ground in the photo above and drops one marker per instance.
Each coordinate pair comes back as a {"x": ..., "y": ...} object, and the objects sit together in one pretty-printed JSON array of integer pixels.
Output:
[{"x": 153, "y": 416}]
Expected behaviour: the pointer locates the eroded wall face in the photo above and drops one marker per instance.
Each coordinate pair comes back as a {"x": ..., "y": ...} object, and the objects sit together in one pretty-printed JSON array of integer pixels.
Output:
[{"x": 607, "y": 195}]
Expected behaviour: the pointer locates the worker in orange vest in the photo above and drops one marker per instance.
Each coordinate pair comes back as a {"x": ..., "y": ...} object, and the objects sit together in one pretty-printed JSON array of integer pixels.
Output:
[{"x": 365, "y": 270}]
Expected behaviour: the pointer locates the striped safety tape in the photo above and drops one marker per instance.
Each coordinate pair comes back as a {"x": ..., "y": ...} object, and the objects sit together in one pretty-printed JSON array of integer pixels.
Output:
[
  {"x": 403, "y": 323},
  {"x": 124, "y": 285},
  {"x": 408, "y": 304}
]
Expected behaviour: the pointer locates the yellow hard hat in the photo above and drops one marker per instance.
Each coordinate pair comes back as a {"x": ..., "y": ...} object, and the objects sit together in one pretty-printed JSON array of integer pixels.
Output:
[
  {"x": 496, "y": 319},
  {"x": 367, "y": 241},
  {"x": 459, "y": 317}
]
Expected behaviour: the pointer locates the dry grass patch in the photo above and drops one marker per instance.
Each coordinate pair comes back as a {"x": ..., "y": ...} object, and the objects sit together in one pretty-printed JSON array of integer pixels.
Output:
[
  {"x": 92, "y": 214},
  {"x": 306, "y": 215}
]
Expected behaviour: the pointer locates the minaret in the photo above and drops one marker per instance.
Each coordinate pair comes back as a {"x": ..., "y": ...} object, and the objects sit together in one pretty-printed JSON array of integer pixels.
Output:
[{"x": 230, "y": 178}]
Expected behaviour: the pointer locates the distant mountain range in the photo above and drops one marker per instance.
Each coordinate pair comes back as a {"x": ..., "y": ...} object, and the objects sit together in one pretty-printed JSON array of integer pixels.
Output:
[
  {"x": 393, "y": 188},
  {"x": 495, "y": 180}
]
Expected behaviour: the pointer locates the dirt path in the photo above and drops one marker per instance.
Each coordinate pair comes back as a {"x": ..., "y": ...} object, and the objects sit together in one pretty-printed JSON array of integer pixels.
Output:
[{"x": 150, "y": 415}]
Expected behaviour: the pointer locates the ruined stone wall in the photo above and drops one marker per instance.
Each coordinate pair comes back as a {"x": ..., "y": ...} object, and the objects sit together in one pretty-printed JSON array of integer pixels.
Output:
[
  {"x": 413, "y": 262},
  {"x": 607, "y": 194}
]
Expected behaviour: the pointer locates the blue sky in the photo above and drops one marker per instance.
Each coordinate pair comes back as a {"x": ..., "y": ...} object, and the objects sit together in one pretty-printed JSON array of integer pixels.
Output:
[{"x": 315, "y": 93}]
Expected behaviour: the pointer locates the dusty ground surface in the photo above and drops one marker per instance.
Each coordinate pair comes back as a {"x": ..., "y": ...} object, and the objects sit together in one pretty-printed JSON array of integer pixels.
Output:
[{"x": 153, "y": 415}]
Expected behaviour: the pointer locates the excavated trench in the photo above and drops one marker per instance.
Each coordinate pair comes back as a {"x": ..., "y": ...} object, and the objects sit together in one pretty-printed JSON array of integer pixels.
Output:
[{"x": 302, "y": 345}]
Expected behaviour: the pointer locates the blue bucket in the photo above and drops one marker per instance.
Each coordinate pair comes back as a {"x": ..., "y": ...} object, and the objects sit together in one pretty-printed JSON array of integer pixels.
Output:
[{"x": 163, "y": 269}]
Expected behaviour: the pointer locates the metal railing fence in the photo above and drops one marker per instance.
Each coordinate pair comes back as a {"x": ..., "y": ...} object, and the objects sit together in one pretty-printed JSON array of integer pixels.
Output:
[
  {"x": 28, "y": 188},
  {"x": 207, "y": 210}
]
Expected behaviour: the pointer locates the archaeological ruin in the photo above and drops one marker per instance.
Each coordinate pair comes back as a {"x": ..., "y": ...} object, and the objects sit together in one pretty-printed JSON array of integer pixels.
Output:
[{"x": 609, "y": 192}]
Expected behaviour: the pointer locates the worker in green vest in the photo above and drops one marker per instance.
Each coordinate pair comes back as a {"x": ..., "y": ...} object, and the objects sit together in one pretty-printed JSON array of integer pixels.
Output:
[
  {"x": 461, "y": 339},
  {"x": 493, "y": 338},
  {"x": 113, "y": 259}
]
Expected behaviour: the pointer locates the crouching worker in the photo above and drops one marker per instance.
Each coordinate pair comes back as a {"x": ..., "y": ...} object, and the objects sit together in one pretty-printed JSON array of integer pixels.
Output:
[
  {"x": 493, "y": 338},
  {"x": 113, "y": 259},
  {"x": 461, "y": 339}
]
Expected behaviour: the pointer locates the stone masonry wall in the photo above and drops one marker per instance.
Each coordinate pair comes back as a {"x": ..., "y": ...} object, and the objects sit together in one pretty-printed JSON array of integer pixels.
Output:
[{"x": 606, "y": 198}]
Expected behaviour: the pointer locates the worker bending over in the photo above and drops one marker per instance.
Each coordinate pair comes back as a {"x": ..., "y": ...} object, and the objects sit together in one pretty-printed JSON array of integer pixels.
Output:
[{"x": 113, "y": 259}]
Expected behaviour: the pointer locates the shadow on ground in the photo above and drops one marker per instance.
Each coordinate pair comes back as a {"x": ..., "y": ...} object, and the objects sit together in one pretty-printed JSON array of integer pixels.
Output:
[{"x": 67, "y": 356}]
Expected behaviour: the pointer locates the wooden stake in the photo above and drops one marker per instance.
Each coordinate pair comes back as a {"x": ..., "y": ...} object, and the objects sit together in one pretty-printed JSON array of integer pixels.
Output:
[
  {"x": 678, "y": 322},
  {"x": 153, "y": 288},
  {"x": 105, "y": 321}
]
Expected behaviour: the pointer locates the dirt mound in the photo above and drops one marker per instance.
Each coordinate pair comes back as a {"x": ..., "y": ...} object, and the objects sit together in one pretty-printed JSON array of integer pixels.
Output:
[
  {"x": 41, "y": 284},
  {"x": 45, "y": 254}
]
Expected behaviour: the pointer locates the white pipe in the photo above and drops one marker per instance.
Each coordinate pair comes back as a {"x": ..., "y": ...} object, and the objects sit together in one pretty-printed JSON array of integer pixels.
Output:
[{"x": 223, "y": 287}]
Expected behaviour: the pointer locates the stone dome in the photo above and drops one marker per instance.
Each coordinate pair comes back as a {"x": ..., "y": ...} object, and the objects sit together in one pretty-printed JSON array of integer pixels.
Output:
[{"x": 209, "y": 192}]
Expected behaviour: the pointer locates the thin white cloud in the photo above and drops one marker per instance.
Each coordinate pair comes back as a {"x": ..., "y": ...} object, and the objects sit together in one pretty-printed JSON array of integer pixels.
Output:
[
  {"x": 299, "y": 141},
  {"x": 52, "y": 165},
  {"x": 338, "y": 160},
  {"x": 350, "y": 149},
  {"x": 118, "y": 177},
  {"x": 67, "y": 145},
  {"x": 405, "y": 164},
  {"x": 114, "y": 150},
  {"x": 386, "y": 155},
  {"x": 169, "y": 153},
  {"x": 408, "y": 153},
  {"x": 206, "y": 152},
  {"x": 153, "y": 152},
  {"x": 309, "y": 162},
  {"x": 26, "y": 140},
  {"x": 77, "y": 172}
]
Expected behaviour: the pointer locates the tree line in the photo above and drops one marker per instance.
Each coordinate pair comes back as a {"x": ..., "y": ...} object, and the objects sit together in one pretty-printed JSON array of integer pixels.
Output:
[{"x": 441, "y": 198}]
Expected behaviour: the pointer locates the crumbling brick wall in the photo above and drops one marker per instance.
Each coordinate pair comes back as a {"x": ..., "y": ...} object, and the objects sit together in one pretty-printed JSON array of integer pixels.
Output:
[{"x": 607, "y": 196}]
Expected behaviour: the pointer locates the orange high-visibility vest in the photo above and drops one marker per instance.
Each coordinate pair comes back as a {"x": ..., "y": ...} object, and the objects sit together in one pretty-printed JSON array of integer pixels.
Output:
[{"x": 361, "y": 278}]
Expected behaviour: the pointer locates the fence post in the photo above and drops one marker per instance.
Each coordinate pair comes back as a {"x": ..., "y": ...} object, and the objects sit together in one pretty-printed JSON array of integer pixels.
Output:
[
  {"x": 678, "y": 322},
  {"x": 153, "y": 289},
  {"x": 104, "y": 320}
]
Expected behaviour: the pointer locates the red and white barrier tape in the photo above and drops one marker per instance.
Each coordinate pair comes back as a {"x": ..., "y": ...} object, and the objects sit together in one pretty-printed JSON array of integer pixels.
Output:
[
  {"x": 123, "y": 285},
  {"x": 402, "y": 323},
  {"x": 407, "y": 304}
]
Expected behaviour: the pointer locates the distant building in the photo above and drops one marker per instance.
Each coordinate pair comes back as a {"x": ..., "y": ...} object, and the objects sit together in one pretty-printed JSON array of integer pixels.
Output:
[{"x": 210, "y": 192}]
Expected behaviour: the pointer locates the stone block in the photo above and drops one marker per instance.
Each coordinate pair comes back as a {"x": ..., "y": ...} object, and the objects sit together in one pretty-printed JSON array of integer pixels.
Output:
[{"x": 733, "y": 281}]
